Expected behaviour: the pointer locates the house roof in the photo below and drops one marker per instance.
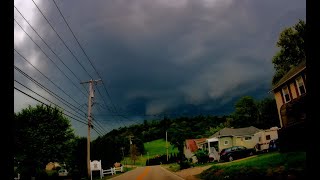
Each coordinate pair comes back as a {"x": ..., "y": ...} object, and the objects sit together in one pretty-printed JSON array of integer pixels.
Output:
[
  {"x": 193, "y": 143},
  {"x": 290, "y": 74},
  {"x": 236, "y": 132},
  {"x": 200, "y": 141}
]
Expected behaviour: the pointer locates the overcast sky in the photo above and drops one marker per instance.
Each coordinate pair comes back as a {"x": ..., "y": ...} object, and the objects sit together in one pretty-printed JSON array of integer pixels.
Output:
[{"x": 155, "y": 57}]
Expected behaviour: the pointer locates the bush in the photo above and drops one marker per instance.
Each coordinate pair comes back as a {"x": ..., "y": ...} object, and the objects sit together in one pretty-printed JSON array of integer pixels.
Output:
[
  {"x": 202, "y": 156},
  {"x": 41, "y": 174},
  {"x": 184, "y": 164}
]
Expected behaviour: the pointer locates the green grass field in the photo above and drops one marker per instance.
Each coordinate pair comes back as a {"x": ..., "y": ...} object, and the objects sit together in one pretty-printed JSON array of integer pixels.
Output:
[
  {"x": 158, "y": 147},
  {"x": 152, "y": 148}
]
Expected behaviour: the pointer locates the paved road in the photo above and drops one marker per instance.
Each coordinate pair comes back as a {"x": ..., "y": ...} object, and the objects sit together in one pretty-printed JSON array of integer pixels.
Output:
[{"x": 148, "y": 173}]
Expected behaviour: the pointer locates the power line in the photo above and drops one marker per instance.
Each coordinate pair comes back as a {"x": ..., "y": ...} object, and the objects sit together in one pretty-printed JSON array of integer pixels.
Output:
[
  {"x": 51, "y": 107},
  {"x": 61, "y": 39},
  {"x": 47, "y": 90},
  {"x": 100, "y": 126},
  {"x": 45, "y": 76},
  {"x": 87, "y": 58},
  {"x": 49, "y": 58},
  {"x": 48, "y": 46},
  {"x": 52, "y": 94},
  {"x": 46, "y": 104},
  {"x": 45, "y": 98}
]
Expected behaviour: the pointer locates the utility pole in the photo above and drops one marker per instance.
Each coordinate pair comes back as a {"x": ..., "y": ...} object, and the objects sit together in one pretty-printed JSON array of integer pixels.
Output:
[
  {"x": 130, "y": 145},
  {"x": 167, "y": 145},
  {"x": 91, "y": 95},
  {"x": 122, "y": 148}
]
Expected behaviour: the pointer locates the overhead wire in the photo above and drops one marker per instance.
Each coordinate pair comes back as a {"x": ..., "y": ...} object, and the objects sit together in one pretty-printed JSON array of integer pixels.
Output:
[
  {"x": 45, "y": 76},
  {"x": 50, "y": 59},
  {"x": 52, "y": 94},
  {"x": 88, "y": 60},
  {"x": 61, "y": 39},
  {"x": 48, "y": 46},
  {"x": 47, "y": 56},
  {"x": 51, "y": 107},
  {"x": 64, "y": 42}
]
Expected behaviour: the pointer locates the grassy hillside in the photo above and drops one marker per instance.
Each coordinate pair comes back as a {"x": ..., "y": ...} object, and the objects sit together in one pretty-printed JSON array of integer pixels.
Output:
[
  {"x": 154, "y": 148},
  {"x": 158, "y": 147},
  {"x": 265, "y": 166}
]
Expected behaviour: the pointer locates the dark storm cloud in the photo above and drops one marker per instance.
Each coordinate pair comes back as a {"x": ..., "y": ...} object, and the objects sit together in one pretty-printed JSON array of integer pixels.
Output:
[{"x": 164, "y": 55}]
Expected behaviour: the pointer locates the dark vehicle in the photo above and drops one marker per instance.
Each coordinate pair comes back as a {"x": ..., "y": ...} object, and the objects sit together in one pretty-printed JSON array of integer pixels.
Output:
[
  {"x": 236, "y": 152},
  {"x": 274, "y": 145}
]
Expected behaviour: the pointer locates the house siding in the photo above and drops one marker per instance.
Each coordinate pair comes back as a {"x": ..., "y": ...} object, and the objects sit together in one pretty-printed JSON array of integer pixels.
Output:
[
  {"x": 222, "y": 140},
  {"x": 293, "y": 90},
  {"x": 279, "y": 101}
]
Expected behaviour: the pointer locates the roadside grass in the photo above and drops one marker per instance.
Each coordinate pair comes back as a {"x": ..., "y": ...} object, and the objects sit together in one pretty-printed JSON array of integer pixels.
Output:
[
  {"x": 156, "y": 147},
  {"x": 265, "y": 166},
  {"x": 174, "y": 167}
]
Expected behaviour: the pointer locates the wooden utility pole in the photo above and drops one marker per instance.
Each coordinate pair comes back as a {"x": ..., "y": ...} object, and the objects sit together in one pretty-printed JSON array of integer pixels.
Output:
[
  {"x": 91, "y": 95},
  {"x": 167, "y": 145}
]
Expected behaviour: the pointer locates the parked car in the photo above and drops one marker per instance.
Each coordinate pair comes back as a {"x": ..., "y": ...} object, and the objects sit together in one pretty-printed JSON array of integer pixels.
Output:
[
  {"x": 236, "y": 152},
  {"x": 63, "y": 172}
]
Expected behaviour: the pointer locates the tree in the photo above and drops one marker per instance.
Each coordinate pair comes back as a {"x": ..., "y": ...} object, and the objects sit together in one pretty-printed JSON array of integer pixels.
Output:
[
  {"x": 177, "y": 134},
  {"x": 42, "y": 135},
  {"x": 78, "y": 160},
  {"x": 246, "y": 113},
  {"x": 268, "y": 114},
  {"x": 292, "y": 50},
  {"x": 134, "y": 153}
]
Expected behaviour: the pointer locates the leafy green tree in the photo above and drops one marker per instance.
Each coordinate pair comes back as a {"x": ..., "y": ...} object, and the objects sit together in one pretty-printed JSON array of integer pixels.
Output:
[
  {"x": 42, "y": 135},
  {"x": 78, "y": 160},
  {"x": 108, "y": 149},
  {"x": 246, "y": 112},
  {"x": 268, "y": 114},
  {"x": 292, "y": 50},
  {"x": 213, "y": 130}
]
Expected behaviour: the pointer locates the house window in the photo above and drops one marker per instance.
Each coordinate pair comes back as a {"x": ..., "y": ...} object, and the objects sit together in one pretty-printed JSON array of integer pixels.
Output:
[
  {"x": 300, "y": 85},
  {"x": 260, "y": 139},
  {"x": 247, "y": 138},
  {"x": 268, "y": 137},
  {"x": 285, "y": 93},
  {"x": 226, "y": 142}
]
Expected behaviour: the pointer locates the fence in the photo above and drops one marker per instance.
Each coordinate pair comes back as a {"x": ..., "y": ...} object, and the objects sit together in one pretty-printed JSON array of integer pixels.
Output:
[{"x": 112, "y": 170}]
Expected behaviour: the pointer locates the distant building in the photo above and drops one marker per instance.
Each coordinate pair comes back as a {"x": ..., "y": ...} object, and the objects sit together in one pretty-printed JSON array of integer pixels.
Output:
[
  {"x": 249, "y": 137},
  {"x": 228, "y": 137}
]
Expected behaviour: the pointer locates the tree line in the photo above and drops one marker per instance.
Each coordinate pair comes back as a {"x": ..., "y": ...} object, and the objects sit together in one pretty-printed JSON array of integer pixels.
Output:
[{"x": 43, "y": 134}]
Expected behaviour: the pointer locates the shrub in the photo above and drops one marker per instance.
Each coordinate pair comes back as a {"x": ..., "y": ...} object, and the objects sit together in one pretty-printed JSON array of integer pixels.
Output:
[{"x": 202, "y": 156}]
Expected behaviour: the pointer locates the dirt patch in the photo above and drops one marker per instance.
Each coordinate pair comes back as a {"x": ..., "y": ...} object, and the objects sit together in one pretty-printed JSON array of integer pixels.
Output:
[{"x": 189, "y": 174}]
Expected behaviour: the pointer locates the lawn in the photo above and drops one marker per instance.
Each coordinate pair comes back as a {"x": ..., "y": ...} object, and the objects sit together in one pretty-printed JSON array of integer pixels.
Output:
[
  {"x": 152, "y": 149},
  {"x": 264, "y": 166}
]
